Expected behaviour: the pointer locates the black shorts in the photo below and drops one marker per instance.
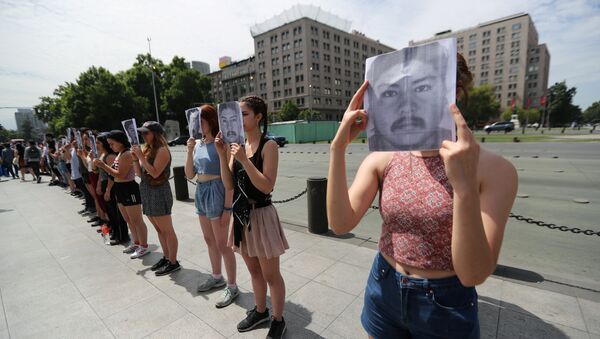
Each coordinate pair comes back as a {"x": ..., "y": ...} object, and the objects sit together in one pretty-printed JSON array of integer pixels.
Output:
[{"x": 127, "y": 193}]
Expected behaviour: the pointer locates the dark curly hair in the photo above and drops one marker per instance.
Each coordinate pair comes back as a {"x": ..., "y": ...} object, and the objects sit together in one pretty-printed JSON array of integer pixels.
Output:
[
  {"x": 464, "y": 77},
  {"x": 258, "y": 106}
]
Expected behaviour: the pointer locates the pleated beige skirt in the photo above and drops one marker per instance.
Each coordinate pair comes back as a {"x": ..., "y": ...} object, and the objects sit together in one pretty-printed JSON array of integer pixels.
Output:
[{"x": 265, "y": 237}]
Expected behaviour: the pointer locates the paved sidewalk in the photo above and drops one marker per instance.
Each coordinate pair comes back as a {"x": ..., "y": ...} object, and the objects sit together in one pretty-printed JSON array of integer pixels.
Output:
[{"x": 58, "y": 280}]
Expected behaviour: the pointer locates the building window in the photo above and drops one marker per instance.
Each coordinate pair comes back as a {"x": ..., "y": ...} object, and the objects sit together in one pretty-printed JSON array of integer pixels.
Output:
[
  {"x": 516, "y": 26},
  {"x": 501, "y": 30},
  {"x": 473, "y": 37},
  {"x": 472, "y": 44},
  {"x": 516, "y": 35}
]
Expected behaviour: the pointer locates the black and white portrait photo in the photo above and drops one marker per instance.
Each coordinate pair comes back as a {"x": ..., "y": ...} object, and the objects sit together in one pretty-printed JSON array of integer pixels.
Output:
[
  {"x": 193, "y": 119},
  {"x": 93, "y": 144},
  {"x": 131, "y": 130},
  {"x": 78, "y": 139},
  {"x": 230, "y": 122},
  {"x": 408, "y": 98}
]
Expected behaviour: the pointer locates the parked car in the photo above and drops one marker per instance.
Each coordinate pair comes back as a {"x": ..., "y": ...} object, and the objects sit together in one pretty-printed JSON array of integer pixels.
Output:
[
  {"x": 281, "y": 141},
  {"x": 180, "y": 140},
  {"x": 505, "y": 126}
]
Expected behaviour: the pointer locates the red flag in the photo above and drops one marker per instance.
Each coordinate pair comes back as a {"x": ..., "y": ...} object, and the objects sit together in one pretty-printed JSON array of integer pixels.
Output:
[
  {"x": 543, "y": 100},
  {"x": 513, "y": 103},
  {"x": 528, "y": 103}
]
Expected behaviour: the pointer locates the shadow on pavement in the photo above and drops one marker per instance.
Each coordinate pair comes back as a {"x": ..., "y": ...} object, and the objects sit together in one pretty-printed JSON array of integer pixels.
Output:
[
  {"x": 518, "y": 274},
  {"x": 499, "y": 319}
]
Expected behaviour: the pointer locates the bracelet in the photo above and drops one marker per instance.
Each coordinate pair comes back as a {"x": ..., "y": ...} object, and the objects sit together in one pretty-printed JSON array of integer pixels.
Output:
[{"x": 228, "y": 209}]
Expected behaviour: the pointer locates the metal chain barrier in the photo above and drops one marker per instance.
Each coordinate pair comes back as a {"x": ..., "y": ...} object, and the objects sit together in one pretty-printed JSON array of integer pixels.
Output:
[
  {"x": 290, "y": 199},
  {"x": 553, "y": 226},
  {"x": 539, "y": 223},
  {"x": 574, "y": 230}
]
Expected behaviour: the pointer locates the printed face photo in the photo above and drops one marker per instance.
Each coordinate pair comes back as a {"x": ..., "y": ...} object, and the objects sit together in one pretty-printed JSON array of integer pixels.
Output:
[
  {"x": 408, "y": 97},
  {"x": 193, "y": 118},
  {"x": 230, "y": 122},
  {"x": 131, "y": 130}
]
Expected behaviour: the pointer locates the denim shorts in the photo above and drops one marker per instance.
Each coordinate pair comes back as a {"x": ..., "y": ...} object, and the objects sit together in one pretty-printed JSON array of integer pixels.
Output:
[
  {"x": 398, "y": 306},
  {"x": 209, "y": 199}
]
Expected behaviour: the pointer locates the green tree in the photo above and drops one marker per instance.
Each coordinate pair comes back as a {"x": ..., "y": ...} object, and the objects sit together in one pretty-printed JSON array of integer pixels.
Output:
[
  {"x": 27, "y": 129},
  {"x": 309, "y": 115},
  {"x": 289, "y": 111},
  {"x": 98, "y": 100},
  {"x": 481, "y": 106},
  {"x": 592, "y": 113},
  {"x": 139, "y": 79},
  {"x": 526, "y": 116},
  {"x": 6, "y": 134},
  {"x": 560, "y": 105},
  {"x": 183, "y": 87},
  {"x": 274, "y": 117}
]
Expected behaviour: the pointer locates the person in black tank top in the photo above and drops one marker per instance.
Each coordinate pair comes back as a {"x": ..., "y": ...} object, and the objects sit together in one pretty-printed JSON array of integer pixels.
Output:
[{"x": 257, "y": 233}]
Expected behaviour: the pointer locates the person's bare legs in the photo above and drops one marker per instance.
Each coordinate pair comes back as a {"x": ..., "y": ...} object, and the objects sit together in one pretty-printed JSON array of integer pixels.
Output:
[
  {"x": 220, "y": 233},
  {"x": 161, "y": 236},
  {"x": 137, "y": 221},
  {"x": 164, "y": 225},
  {"x": 213, "y": 251},
  {"x": 132, "y": 229},
  {"x": 259, "y": 285},
  {"x": 272, "y": 275}
]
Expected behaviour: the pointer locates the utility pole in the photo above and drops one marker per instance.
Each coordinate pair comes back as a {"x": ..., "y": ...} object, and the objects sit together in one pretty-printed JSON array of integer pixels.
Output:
[{"x": 153, "y": 86}]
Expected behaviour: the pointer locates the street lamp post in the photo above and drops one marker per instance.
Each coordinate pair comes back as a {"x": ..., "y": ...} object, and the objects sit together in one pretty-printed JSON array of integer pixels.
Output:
[{"x": 153, "y": 86}]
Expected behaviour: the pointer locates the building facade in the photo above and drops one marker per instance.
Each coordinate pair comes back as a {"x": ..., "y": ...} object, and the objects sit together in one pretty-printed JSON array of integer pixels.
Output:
[
  {"x": 23, "y": 114},
  {"x": 506, "y": 54},
  {"x": 200, "y": 66},
  {"x": 310, "y": 57},
  {"x": 233, "y": 81}
]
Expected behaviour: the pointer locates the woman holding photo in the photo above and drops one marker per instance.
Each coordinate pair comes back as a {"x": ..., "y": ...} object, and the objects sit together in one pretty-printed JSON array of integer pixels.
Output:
[
  {"x": 251, "y": 171},
  {"x": 213, "y": 204},
  {"x": 443, "y": 212},
  {"x": 116, "y": 223},
  {"x": 153, "y": 164},
  {"x": 127, "y": 192}
]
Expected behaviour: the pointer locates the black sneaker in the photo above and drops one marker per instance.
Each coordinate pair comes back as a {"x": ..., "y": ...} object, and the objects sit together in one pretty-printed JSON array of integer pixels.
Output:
[
  {"x": 277, "y": 329},
  {"x": 39, "y": 179},
  {"x": 82, "y": 211},
  {"x": 167, "y": 269},
  {"x": 162, "y": 262},
  {"x": 253, "y": 319},
  {"x": 93, "y": 219}
]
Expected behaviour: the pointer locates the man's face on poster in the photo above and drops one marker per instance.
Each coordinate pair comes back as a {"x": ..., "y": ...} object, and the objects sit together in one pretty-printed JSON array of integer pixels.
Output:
[
  {"x": 230, "y": 124},
  {"x": 409, "y": 93}
]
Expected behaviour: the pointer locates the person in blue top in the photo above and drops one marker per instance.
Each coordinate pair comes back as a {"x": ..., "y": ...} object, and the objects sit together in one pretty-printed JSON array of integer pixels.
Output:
[{"x": 213, "y": 206}]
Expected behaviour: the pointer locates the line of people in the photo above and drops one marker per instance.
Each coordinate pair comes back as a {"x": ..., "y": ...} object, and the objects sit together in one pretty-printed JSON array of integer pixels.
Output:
[{"x": 233, "y": 202}]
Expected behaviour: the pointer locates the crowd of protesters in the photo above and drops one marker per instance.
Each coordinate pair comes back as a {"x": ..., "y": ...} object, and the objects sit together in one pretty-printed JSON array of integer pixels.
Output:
[{"x": 100, "y": 168}]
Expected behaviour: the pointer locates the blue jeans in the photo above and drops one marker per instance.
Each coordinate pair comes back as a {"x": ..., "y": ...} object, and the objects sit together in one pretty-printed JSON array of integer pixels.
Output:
[
  {"x": 398, "y": 306},
  {"x": 209, "y": 198}
]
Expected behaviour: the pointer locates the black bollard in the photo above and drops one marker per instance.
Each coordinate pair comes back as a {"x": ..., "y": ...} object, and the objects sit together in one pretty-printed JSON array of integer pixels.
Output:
[
  {"x": 181, "y": 188},
  {"x": 482, "y": 139},
  {"x": 316, "y": 189}
]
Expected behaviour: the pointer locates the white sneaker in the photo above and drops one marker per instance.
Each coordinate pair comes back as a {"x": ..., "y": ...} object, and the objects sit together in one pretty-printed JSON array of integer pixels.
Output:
[
  {"x": 130, "y": 249},
  {"x": 140, "y": 252}
]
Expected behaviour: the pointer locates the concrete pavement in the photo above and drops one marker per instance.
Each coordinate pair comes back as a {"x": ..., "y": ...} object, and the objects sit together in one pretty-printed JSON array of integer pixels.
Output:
[{"x": 58, "y": 280}]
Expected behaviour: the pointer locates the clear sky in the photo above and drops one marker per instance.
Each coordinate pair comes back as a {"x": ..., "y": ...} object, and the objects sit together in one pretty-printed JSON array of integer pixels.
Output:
[{"x": 46, "y": 43}]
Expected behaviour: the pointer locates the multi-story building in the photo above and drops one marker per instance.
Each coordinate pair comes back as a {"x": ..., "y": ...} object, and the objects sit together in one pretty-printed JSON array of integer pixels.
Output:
[
  {"x": 23, "y": 114},
  {"x": 233, "y": 81},
  {"x": 506, "y": 54},
  {"x": 200, "y": 66},
  {"x": 310, "y": 57}
]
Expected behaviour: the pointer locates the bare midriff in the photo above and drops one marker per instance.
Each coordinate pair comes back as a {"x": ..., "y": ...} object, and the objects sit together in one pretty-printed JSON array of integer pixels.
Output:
[
  {"x": 417, "y": 272},
  {"x": 206, "y": 177}
]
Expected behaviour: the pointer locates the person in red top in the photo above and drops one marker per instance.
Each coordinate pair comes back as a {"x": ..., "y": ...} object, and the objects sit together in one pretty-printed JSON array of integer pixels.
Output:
[{"x": 444, "y": 213}]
